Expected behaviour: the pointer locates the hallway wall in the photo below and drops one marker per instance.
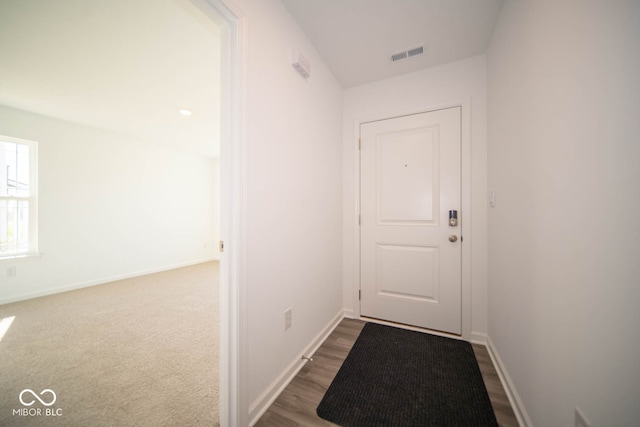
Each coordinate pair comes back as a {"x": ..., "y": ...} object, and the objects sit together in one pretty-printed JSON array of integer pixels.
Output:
[
  {"x": 293, "y": 202},
  {"x": 564, "y": 96}
]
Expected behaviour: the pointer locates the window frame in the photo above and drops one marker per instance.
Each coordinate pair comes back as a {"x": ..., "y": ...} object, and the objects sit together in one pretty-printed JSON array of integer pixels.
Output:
[{"x": 32, "y": 198}]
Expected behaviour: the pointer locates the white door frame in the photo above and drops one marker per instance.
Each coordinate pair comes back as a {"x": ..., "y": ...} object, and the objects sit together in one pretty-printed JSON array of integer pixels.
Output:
[
  {"x": 465, "y": 219},
  {"x": 233, "y": 405}
]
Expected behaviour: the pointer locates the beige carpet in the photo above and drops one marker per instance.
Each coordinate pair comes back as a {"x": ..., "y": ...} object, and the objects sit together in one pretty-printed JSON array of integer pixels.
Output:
[{"x": 136, "y": 352}]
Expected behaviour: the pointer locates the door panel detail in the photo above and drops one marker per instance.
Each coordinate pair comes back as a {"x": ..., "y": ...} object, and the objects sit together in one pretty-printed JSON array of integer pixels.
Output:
[
  {"x": 408, "y": 174},
  {"x": 409, "y": 272}
]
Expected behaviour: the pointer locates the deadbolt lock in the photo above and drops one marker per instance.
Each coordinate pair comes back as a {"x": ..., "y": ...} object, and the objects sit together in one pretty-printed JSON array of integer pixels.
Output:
[{"x": 453, "y": 218}]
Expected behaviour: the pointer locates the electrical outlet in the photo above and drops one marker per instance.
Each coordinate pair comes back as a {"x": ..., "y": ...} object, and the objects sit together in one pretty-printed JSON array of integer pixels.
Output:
[
  {"x": 11, "y": 271},
  {"x": 287, "y": 319},
  {"x": 581, "y": 421}
]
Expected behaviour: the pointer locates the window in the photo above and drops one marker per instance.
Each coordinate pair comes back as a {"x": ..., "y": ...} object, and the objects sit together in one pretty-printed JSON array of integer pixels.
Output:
[{"x": 18, "y": 197}]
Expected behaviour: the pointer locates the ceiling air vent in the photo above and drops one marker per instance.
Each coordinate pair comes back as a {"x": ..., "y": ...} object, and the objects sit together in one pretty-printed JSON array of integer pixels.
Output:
[
  {"x": 415, "y": 51},
  {"x": 398, "y": 56}
]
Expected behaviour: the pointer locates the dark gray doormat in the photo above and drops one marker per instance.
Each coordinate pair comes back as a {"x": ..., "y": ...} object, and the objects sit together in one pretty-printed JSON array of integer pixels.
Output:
[{"x": 395, "y": 377}]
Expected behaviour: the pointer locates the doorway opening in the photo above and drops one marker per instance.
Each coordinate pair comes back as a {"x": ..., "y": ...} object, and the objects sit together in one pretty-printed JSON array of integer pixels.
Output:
[{"x": 233, "y": 406}]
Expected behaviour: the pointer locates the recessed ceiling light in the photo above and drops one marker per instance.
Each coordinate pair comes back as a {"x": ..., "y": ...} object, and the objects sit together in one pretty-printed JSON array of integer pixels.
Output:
[{"x": 185, "y": 112}]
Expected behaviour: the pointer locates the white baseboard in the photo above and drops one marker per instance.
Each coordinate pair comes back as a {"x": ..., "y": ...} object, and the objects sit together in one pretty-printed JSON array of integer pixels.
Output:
[
  {"x": 349, "y": 314},
  {"x": 478, "y": 338},
  {"x": 102, "y": 281},
  {"x": 262, "y": 403},
  {"x": 509, "y": 387}
]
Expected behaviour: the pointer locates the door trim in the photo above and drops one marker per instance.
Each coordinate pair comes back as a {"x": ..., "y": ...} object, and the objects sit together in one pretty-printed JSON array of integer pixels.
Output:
[
  {"x": 233, "y": 404},
  {"x": 465, "y": 159}
]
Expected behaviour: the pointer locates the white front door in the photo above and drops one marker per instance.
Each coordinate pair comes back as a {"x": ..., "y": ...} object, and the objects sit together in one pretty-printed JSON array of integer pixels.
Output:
[{"x": 409, "y": 181}]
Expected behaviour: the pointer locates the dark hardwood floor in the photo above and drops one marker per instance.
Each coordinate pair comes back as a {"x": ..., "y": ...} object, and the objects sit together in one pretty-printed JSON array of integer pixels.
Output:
[{"x": 296, "y": 405}]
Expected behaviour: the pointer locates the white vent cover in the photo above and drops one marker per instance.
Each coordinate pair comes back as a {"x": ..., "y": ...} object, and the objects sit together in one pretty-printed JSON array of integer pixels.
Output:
[
  {"x": 414, "y": 51},
  {"x": 301, "y": 64}
]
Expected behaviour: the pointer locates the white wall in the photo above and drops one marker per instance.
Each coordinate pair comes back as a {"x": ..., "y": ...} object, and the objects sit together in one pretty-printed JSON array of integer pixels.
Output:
[
  {"x": 564, "y": 131},
  {"x": 294, "y": 204},
  {"x": 459, "y": 83},
  {"x": 109, "y": 207}
]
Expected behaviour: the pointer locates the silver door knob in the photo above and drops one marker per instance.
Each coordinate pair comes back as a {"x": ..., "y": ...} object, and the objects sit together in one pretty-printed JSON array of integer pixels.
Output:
[{"x": 453, "y": 238}]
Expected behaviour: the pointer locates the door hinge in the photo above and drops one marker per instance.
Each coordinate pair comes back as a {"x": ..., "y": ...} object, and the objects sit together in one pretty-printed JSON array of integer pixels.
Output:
[
  {"x": 221, "y": 246},
  {"x": 359, "y": 295},
  {"x": 359, "y": 219},
  {"x": 461, "y": 239},
  {"x": 359, "y": 144}
]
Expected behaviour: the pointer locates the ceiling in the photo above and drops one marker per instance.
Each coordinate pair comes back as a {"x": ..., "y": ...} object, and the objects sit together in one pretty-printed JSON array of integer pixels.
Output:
[
  {"x": 128, "y": 66},
  {"x": 356, "y": 37},
  {"x": 125, "y": 66}
]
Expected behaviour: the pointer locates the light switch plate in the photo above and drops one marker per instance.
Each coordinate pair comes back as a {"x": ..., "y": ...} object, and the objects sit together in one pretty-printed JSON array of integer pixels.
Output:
[{"x": 287, "y": 319}]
